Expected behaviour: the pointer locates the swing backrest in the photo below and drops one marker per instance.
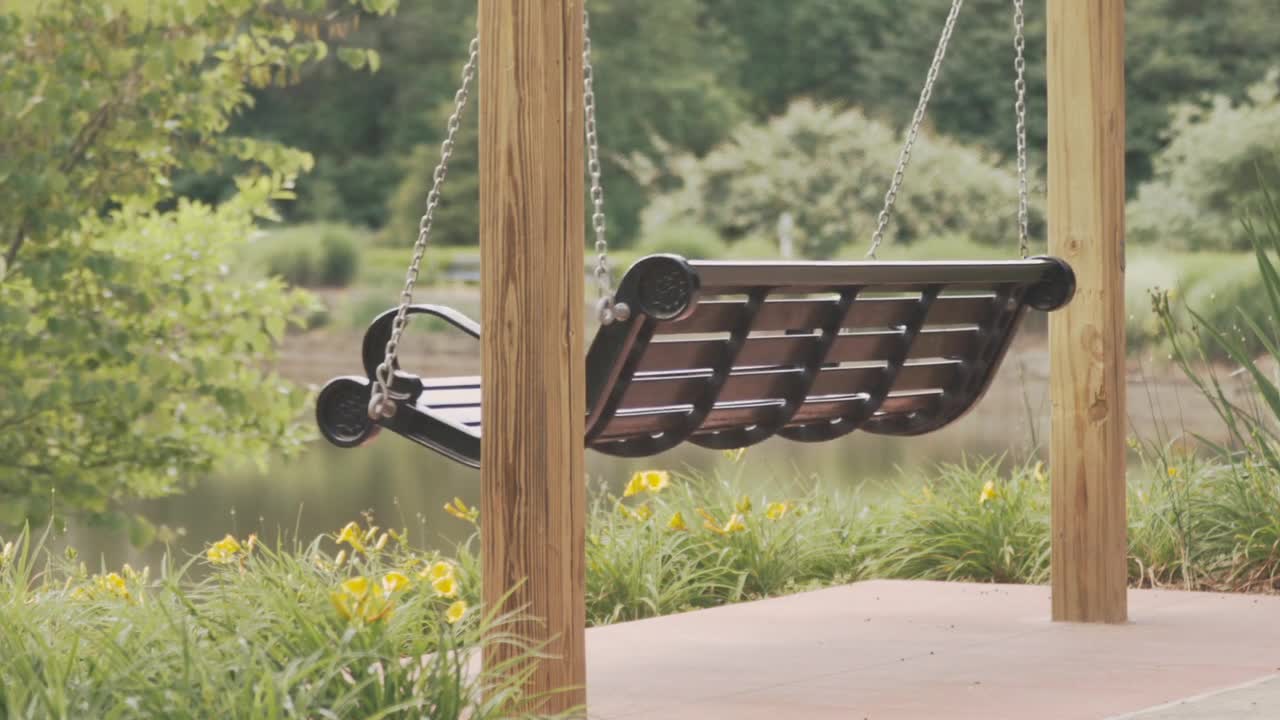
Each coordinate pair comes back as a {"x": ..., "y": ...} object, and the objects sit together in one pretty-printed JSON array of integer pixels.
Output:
[{"x": 726, "y": 354}]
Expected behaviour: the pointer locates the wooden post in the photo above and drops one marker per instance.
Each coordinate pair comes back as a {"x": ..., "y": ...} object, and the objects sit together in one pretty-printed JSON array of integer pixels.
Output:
[
  {"x": 1086, "y": 339},
  {"x": 533, "y": 510}
]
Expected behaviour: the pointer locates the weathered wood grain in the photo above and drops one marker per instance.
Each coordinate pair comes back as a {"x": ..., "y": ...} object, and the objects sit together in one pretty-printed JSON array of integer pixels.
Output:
[
  {"x": 531, "y": 233},
  {"x": 1086, "y": 228}
]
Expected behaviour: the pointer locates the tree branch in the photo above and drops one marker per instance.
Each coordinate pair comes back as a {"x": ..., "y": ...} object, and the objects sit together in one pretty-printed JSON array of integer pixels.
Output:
[{"x": 18, "y": 239}]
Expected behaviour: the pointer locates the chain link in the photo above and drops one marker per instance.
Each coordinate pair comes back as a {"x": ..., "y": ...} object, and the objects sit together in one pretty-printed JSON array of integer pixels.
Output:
[
  {"x": 1020, "y": 109},
  {"x": 606, "y": 308},
  {"x": 904, "y": 158},
  {"x": 382, "y": 403}
]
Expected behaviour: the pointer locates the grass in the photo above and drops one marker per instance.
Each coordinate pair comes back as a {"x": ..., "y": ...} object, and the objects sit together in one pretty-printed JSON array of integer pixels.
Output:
[
  {"x": 304, "y": 630},
  {"x": 270, "y": 632}
]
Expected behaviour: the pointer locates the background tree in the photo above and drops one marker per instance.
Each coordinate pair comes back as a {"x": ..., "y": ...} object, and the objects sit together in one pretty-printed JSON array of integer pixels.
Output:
[
  {"x": 830, "y": 170},
  {"x": 132, "y": 355},
  {"x": 1211, "y": 170}
]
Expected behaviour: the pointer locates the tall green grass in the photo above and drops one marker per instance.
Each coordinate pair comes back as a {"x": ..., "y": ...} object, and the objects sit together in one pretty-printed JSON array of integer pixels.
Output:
[{"x": 262, "y": 636}]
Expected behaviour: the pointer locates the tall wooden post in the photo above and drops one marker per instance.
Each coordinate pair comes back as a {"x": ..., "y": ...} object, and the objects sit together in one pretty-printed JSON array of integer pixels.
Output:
[
  {"x": 533, "y": 508},
  {"x": 1087, "y": 345}
]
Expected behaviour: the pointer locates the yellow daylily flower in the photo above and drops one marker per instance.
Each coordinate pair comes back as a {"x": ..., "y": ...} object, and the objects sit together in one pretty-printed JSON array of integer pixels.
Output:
[
  {"x": 776, "y": 510},
  {"x": 456, "y": 611},
  {"x": 656, "y": 481},
  {"x": 110, "y": 585},
  {"x": 394, "y": 582},
  {"x": 635, "y": 486},
  {"x": 459, "y": 509},
  {"x": 988, "y": 493},
  {"x": 743, "y": 505},
  {"x": 445, "y": 587},
  {"x": 115, "y": 584},
  {"x": 735, "y": 524},
  {"x": 357, "y": 598},
  {"x": 350, "y": 534},
  {"x": 343, "y": 604},
  {"x": 224, "y": 551},
  {"x": 708, "y": 521},
  {"x": 356, "y": 587},
  {"x": 1173, "y": 472},
  {"x": 677, "y": 522},
  {"x": 438, "y": 571},
  {"x": 640, "y": 514}
]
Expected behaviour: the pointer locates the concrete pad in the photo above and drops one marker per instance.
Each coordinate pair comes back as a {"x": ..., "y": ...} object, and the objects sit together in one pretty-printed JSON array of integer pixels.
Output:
[
  {"x": 1253, "y": 700},
  {"x": 899, "y": 649}
]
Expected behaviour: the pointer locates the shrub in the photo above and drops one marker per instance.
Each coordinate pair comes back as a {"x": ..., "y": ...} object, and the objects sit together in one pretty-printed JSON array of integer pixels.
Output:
[
  {"x": 1218, "y": 285},
  {"x": 1209, "y": 170},
  {"x": 313, "y": 255},
  {"x": 973, "y": 522},
  {"x": 830, "y": 170},
  {"x": 686, "y": 239},
  {"x": 1241, "y": 519}
]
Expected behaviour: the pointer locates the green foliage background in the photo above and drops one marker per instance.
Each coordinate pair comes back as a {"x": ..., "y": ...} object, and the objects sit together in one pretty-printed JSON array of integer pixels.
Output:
[
  {"x": 144, "y": 142},
  {"x": 690, "y": 71},
  {"x": 133, "y": 358}
]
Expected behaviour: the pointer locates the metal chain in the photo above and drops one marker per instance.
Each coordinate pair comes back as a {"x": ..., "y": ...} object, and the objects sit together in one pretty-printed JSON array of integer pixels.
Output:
[
  {"x": 382, "y": 403},
  {"x": 607, "y": 310},
  {"x": 904, "y": 158},
  {"x": 1020, "y": 109}
]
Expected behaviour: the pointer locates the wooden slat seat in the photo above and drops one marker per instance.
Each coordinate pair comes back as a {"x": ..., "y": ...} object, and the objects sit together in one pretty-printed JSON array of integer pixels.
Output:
[{"x": 727, "y": 354}]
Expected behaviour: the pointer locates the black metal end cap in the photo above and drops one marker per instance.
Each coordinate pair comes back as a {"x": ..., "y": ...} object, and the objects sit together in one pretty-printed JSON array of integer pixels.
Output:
[
  {"x": 664, "y": 287},
  {"x": 1055, "y": 289},
  {"x": 342, "y": 412}
]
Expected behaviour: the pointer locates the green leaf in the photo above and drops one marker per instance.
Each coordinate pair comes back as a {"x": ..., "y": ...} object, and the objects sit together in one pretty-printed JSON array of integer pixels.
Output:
[{"x": 354, "y": 58}]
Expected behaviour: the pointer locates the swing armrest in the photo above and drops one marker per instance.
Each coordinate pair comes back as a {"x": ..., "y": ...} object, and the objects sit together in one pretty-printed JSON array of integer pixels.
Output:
[
  {"x": 376, "y": 337},
  {"x": 342, "y": 407}
]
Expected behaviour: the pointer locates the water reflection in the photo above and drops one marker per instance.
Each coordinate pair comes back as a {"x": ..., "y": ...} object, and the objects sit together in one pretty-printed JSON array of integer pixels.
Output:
[{"x": 403, "y": 485}]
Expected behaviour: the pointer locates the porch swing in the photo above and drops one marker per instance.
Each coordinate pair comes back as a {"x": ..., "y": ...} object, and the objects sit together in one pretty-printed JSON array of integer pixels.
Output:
[{"x": 726, "y": 354}]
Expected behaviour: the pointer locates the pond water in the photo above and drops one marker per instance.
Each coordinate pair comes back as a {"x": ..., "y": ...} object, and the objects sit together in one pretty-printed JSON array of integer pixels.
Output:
[{"x": 403, "y": 485}]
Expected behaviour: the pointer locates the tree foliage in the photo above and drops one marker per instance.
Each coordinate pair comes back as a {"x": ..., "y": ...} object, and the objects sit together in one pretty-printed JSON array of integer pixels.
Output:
[
  {"x": 688, "y": 71},
  {"x": 830, "y": 170},
  {"x": 1210, "y": 170},
  {"x": 132, "y": 356}
]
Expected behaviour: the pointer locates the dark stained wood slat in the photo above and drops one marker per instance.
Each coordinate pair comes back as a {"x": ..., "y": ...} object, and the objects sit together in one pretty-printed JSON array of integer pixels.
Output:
[
  {"x": 667, "y": 355},
  {"x": 880, "y": 345},
  {"x": 450, "y": 397},
  {"x": 915, "y": 376},
  {"x": 467, "y": 414},
  {"x": 775, "y": 315},
  {"x": 667, "y": 390},
  {"x": 714, "y": 316},
  {"x": 793, "y": 350},
  {"x": 465, "y": 381},
  {"x": 631, "y": 424}
]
